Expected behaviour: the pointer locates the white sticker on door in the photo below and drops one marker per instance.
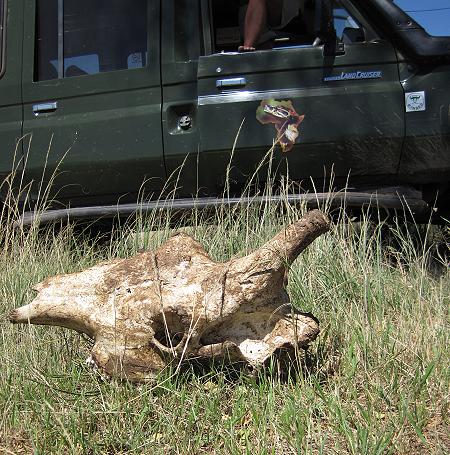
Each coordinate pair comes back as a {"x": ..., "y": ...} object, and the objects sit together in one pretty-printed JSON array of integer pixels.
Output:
[{"x": 415, "y": 101}]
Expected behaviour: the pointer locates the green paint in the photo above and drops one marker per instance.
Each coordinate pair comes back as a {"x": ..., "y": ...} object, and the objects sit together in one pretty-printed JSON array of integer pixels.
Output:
[{"x": 116, "y": 134}]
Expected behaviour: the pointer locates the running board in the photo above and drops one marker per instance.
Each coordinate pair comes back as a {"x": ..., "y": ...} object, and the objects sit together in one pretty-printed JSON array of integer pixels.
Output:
[{"x": 399, "y": 198}]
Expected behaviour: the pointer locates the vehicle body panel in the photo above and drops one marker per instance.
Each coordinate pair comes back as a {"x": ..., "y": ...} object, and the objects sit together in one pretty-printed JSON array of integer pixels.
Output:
[
  {"x": 181, "y": 46},
  {"x": 426, "y": 153},
  {"x": 209, "y": 120},
  {"x": 11, "y": 93},
  {"x": 104, "y": 139},
  {"x": 362, "y": 137}
]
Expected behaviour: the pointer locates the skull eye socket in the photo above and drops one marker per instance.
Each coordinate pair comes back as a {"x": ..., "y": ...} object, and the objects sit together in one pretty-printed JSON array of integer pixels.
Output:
[{"x": 169, "y": 330}]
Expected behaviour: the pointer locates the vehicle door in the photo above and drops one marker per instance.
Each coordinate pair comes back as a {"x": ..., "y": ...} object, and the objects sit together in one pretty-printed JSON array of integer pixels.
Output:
[
  {"x": 10, "y": 91},
  {"x": 426, "y": 152},
  {"x": 340, "y": 113},
  {"x": 92, "y": 98},
  {"x": 180, "y": 49}
]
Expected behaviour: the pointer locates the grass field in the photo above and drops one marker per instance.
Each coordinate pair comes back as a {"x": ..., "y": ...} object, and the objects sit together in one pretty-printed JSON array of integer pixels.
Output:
[{"x": 376, "y": 381}]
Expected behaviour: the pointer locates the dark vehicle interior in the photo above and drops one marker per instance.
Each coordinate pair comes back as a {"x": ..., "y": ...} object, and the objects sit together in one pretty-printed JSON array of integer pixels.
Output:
[
  {"x": 93, "y": 41},
  {"x": 228, "y": 27}
]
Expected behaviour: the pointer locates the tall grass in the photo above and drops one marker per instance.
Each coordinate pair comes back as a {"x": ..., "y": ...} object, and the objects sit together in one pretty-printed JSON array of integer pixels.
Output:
[{"x": 376, "y": 381}]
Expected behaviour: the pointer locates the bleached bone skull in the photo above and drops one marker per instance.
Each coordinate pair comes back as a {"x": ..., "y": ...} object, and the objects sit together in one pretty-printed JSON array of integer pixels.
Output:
[{"x": 176, "y": 304}]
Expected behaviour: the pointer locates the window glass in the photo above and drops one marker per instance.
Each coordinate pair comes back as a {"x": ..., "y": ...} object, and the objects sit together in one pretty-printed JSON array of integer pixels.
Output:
[
  {"x": 46, "y": 56},
  {"x": 94, "y": 36},
  {"x": 136, "y": 60},
  {"x": 347, "y": 29},
  {"x": 432, "y": 15}
]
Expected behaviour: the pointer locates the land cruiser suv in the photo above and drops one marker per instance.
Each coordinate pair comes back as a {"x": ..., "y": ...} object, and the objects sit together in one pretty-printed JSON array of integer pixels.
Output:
[{"x": 113, "y": 97}]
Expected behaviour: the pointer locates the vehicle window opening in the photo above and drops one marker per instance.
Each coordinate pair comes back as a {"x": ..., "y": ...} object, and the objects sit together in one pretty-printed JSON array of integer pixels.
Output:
[
  {"x": 348, "y": 29},
  {"x": 81, "y": 37},
  {"x": 228, "y": 26}
]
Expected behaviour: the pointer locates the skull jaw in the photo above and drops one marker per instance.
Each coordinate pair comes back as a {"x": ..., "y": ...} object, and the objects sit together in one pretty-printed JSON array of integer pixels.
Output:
[
  {"x": 255, "y": 344},
  {"x": 252, "y": 344}
]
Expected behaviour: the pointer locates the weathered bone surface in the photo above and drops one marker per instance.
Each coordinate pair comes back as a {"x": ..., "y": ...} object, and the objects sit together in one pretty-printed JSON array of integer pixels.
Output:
[{"x": 176, "y": 303}]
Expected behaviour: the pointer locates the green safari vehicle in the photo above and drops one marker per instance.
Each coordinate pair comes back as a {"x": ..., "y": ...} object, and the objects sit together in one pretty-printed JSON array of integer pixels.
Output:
[{"x": 108, "y": 99}]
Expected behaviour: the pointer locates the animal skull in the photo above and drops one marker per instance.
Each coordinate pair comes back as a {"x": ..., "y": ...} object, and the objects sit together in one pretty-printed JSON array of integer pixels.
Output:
[{"x": 176, "y": 304}]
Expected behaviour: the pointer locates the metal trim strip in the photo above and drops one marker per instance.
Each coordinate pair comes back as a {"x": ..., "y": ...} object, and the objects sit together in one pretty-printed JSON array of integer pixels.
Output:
[
  {"x": 402, "y": 198},
  {"x": 236, "y": 96},
  {"x": 243, "y": 96}
]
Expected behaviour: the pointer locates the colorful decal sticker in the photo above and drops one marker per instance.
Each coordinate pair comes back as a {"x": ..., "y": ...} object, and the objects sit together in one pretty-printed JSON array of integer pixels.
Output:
[
  {"x": 415, "y": 101},
  {"x": 286, "y": 120}
]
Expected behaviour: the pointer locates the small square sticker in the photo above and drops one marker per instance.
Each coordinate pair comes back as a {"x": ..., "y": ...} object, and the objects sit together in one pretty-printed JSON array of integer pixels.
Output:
[{"x": 415, "y": 101}]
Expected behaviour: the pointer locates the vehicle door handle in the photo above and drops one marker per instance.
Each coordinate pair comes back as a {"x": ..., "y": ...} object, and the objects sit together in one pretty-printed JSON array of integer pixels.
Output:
[
  {"x": 232, "y": 82},
  {"x": 43, "y": 108}
]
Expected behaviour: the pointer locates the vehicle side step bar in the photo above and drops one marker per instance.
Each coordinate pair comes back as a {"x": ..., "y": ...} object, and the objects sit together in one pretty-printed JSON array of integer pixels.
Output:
[{"x": 404, "y": 199}]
